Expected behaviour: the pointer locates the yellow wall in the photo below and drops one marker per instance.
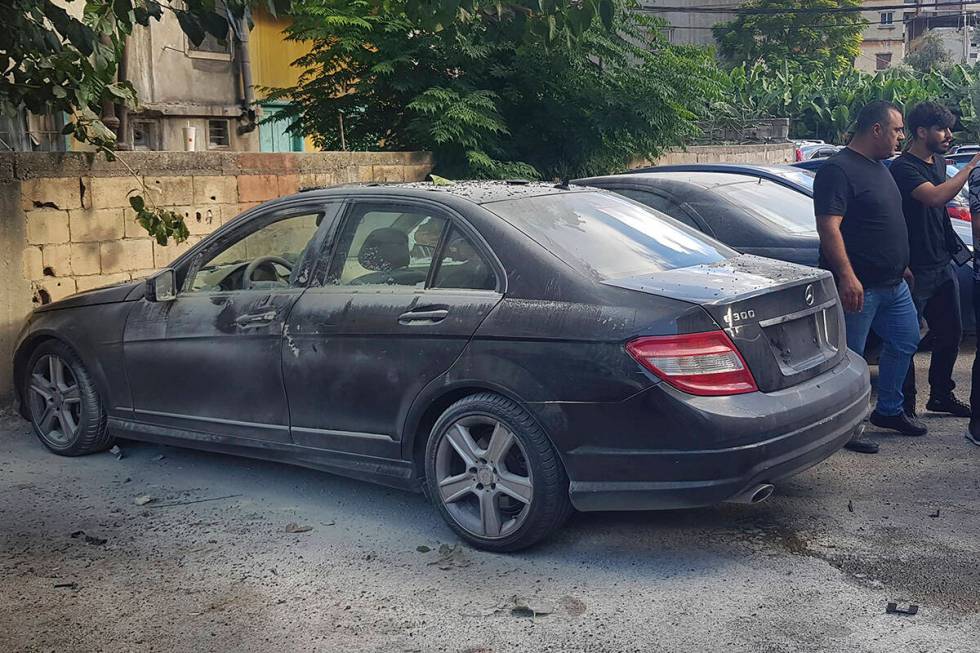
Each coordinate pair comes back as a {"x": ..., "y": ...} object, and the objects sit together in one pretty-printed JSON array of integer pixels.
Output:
[{"x": 272, "y": 56}]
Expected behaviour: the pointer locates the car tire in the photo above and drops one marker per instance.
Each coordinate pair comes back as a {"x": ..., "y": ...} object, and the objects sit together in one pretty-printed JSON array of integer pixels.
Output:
[
  {"x": 487, "y": 456},
  {"x": 65, "y": 408}
]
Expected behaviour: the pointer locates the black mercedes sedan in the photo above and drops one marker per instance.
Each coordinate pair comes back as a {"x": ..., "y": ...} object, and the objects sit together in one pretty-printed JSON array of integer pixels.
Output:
[{"x": 513, "y": 350}]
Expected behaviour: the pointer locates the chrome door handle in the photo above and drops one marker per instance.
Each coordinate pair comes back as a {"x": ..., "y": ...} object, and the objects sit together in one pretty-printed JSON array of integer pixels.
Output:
[
  {"x": 256, "y": 319},
  {"x": 419, "y": 317}
]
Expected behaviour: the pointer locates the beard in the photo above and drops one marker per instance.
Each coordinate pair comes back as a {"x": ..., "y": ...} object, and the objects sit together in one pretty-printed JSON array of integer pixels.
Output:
[{"x": 940, "y": 146}]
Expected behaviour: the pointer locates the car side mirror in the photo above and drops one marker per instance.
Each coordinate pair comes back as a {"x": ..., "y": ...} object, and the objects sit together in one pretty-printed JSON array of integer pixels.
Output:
[{"x": 162, "y": 286}]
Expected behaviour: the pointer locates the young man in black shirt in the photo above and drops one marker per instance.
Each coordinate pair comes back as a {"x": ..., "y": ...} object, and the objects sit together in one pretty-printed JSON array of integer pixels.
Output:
[
  {"x": 864, "y": 241},
  {"x": 920, "y": 174},
  {"x": 973, "y": 433}
]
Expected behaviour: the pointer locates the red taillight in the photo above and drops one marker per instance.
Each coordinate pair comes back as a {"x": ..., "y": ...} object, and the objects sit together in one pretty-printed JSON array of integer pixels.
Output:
[
  {"x": 706, "y": 364},
  {"x": 799, "y": 154},
  {"x": 959, "y": 212}
]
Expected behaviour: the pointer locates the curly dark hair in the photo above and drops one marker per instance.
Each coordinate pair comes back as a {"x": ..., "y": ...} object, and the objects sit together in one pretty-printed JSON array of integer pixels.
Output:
[{"x": 929, "y": 115}]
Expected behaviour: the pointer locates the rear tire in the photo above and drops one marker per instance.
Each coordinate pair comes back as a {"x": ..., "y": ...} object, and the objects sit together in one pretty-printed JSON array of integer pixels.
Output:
[
  {"x": 494, "y": 475},
  {"x": 63, "y": 403}
]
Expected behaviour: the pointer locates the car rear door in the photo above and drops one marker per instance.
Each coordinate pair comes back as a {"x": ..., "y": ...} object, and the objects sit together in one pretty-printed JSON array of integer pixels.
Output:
[
  {"x": 407, "y": 285},
  {"x": 209, "y": 361}
]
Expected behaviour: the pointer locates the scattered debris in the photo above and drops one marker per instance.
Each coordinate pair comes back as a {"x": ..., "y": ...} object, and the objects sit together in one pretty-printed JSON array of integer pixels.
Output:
[
  {"x": 892, "y": 608},
  {"x": 935, "y": 515},
  {"x": 850, "y": 506},
  {"x": 143, "y": 500},
  {"x": 440, "y": 181},
  {"x": 71, "y": 586},
  {"x": 422, "y": 548},
  {"x": 293, "y": 527},
  {"x": 187, "y": 503},
  {"x": 116, "y": 451},
  {"x": 89, "y": 539},
  {"x": 573, "y": 606},
  {"x": 524, "y": 608},
  {"x": 451, "y": 556}
]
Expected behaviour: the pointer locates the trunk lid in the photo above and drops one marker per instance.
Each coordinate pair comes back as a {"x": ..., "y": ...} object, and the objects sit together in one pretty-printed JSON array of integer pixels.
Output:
[{"x": 785, "y": 319}]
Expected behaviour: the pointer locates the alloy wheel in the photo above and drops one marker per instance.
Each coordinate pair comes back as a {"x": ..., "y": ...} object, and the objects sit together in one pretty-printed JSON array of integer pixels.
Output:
[
  {"x": 483, "y": 477},
  {"x": 55, "y": 400}
]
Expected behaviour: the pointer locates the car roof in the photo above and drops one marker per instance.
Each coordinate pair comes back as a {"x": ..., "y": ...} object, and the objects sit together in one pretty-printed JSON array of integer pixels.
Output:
[
  {"x": 781, "y": 174},
  {"x": 754, "y": 169},
  {"x": 705, "y": 179},
  {"x": 477, "y": 192}
]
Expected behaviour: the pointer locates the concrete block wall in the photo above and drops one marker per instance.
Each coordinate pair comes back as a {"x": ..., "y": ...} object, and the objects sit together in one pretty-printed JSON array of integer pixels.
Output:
[
  {"x": 768, "y": 153},
  {"x": 66, "y": 224}
]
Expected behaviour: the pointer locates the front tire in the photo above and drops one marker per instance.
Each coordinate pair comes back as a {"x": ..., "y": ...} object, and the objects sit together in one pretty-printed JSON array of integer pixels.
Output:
[
  {"x": 494, "y": 475},
  {"x": 64, "y": 405}
]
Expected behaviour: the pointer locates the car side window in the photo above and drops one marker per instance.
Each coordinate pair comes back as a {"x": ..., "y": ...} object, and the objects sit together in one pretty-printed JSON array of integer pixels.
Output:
[
  {"x": 662, "y": 204},
  {"x": 463, "y": 266},
  {"x": 386, "y": 244},
  {"x": 271, "y": 257}
]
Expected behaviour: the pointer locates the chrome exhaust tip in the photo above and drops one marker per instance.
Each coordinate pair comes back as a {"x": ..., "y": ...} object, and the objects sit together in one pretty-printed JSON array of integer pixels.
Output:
[{"x": 755, "y": 494}]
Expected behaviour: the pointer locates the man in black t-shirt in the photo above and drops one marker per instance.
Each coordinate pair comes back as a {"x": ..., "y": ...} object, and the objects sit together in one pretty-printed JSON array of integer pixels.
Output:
[
  {"x": 920, "y": 174},
  {"x": 864, "y": 241},
  {"x": 973, "y": 432}
]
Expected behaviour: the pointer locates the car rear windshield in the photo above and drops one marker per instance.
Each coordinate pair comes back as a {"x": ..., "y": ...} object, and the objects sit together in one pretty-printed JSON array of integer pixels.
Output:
[
  {"x": 787, "y": 209},
  {"x": 607, "y": 236}
]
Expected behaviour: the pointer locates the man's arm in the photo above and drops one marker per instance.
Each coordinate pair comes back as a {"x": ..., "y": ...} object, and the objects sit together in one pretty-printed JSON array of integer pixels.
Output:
[
  {"x": 832, "y": 245},
  {"x": 932, "y": 195},
  {"x": 974, "y": 196}
]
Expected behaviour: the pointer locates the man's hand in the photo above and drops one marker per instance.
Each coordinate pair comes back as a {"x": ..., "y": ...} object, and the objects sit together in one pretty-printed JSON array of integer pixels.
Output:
[
  {"x": 909, "y": 277},
  {"x": 974, "y": 162},
  {"x": 851, "y": 294}
]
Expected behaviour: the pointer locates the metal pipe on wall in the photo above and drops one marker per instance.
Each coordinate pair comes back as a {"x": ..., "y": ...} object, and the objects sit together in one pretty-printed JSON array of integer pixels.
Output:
[
  {"x": 245, "y": 72},
  {"x": 122, "y": 134}
]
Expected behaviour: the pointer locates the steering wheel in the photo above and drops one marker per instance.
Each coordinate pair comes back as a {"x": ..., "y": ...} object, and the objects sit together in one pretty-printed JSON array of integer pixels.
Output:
[{"x": 262, "y": 260}]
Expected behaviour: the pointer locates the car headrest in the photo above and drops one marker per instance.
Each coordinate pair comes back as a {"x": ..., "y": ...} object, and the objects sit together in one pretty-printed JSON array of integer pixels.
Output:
[{"x": 385, "y": 250}]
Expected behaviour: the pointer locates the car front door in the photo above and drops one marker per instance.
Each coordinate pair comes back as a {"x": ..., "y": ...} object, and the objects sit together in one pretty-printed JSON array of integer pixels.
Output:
[
  {"x": 407, "y": 286},
  {"x": 209, "y": 361}
]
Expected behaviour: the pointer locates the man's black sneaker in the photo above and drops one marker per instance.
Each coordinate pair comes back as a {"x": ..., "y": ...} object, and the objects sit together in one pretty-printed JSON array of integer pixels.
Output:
[
  {"x": 948, "y": 404},
  {"x": 862, "y": 445},
  {"x": 973, "y": 433},
  {"x": 909, "y": 408},
  {"x": 902, "y": 423}
]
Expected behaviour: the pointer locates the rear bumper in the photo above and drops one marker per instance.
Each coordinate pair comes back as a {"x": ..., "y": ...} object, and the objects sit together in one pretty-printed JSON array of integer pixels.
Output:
[{"x": 727, "y": 444}]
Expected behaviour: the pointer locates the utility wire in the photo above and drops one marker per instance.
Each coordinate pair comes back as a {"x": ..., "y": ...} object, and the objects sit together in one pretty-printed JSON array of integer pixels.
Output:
[
  {"x": 833, "y": 25},
  {"x": 731, "y": 9}
]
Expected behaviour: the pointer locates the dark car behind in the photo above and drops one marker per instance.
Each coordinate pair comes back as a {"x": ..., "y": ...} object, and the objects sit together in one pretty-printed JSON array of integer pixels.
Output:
[{"x": 779, "y": 223}]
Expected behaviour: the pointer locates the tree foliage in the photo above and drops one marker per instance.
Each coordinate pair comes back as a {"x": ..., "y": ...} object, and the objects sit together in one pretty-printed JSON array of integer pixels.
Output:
[
  {"x": 489, "y": 101},
  {"x": 61, "y": 61},
  {"x": 824, "y": 104},
  {"x": 930, "y": 54},
  {"x": 774, "y": 31}
]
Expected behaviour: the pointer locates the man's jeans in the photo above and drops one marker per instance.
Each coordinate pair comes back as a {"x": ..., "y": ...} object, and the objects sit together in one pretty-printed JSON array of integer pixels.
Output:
[
  {"x": 975, "y": 390},
  {"x": 936, "y": 295},
  {"x": 892, "y": 313}
]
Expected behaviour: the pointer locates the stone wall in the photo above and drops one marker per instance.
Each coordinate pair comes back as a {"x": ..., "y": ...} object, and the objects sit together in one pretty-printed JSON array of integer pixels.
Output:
[
  {"x": 768, "y": 153},
  {"x": 66, "y": 224}
]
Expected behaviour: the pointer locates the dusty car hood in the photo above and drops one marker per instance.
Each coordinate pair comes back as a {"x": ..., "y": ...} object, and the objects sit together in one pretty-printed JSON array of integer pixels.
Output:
[{"x": 107, "y": 295}]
